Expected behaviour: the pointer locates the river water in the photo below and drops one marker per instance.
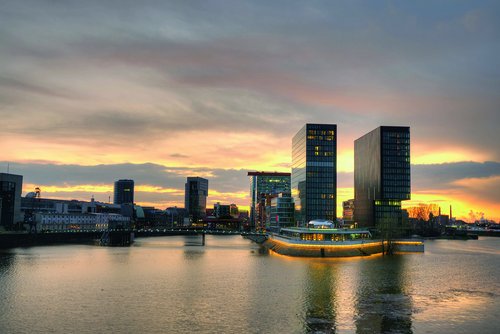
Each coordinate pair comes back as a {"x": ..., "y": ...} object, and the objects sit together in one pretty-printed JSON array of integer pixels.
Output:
[{"x": 174, "y": 285}]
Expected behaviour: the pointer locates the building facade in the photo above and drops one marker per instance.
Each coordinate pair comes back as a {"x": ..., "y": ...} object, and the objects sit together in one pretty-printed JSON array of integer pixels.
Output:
[
  {"x": 11, "y": 186},
  {"x": 63, "y": 222},
  {"x": 382, "y": 177},
  {"x": 263, "y": 184},
  {"x": 222, "y": 210},
  {"x": 195, "y": 198},
  {"x": 280, "y": 212},
  {"x": 348, "y": 210},
  {"x": 124, "y": 192},
  {"x": 314, "y": 173}
]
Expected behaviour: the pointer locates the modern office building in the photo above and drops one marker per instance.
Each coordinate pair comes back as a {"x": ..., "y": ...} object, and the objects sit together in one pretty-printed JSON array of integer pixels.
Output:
[
  {"x": 222, "y": 210},
  {"x": 382, "y": 177},
  {"x": 195, "y": 198},
  {"x": 314, "y": 173},
  {"x": 124, "y": 192},
  {"x": 11, "y": 186},
  {"x": 263, "y": 184},
  {"x": 280, "y": 212}
]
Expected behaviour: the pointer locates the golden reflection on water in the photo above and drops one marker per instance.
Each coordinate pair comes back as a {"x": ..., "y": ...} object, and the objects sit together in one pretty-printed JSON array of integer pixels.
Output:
[{"x": 231, "y": 285}]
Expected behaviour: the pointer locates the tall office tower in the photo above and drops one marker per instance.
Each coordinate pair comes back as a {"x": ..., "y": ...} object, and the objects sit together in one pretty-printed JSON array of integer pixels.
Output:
[
  {"x": 195, "y": 198},
  {"x": 124, "y": 192},
  {"x": 314, "y": 173},
  {"x": 382, "y": 177},
  {"x": 11, "y": 186},
  {"x": 263, "y": 184}
]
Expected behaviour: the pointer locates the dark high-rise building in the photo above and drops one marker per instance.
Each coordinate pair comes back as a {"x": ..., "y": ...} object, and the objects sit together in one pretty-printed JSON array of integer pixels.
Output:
[
  {"x": 11, "y": 186},
  {"x": 382, "y": 177},
  {"x": 124, "y": 192},
  {"x": 314, "y": 172},
  {"x": 263, "y": 184},
  {"x": 195, "y": 198}
]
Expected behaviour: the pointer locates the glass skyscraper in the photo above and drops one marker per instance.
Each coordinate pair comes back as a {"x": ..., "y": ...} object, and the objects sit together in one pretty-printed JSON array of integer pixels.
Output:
[
  {"x": 124, "y": 192},
  {"x": 382, "y": 177},
  {"x": 314, "y": 173},
  {"x": 263, "y": 184},
  {"x": 195, "y": 198}
]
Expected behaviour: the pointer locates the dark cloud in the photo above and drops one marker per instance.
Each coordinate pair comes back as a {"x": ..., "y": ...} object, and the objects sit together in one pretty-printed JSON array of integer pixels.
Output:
[
  {"x": 223, "y": 180},
  {"x": 178, "y": 155},
  {"x": 457, "y": 179},
  {"x": 100, "y": 73},
  {"x": 433, "y": 69},
  {"x": 10, "y": 86},
  {"x": 442, "y": 176}
]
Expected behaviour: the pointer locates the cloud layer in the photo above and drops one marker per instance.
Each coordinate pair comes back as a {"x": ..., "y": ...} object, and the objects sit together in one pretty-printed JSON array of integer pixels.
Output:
[
  {"x": 473, "y": 185},
  {"x": 223, "y": 86}
]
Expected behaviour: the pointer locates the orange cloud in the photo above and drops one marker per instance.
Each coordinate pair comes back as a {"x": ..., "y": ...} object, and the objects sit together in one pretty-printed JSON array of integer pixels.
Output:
[{"x": 90, "y": 188}]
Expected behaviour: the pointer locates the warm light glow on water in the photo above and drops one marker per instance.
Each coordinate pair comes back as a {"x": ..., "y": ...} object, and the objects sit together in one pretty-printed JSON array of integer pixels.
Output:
[{"x": 174, "y": 285}]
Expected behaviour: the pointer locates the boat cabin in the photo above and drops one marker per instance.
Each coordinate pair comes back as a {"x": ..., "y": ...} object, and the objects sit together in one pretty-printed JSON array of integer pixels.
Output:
[{"x": 325, "y": 234}]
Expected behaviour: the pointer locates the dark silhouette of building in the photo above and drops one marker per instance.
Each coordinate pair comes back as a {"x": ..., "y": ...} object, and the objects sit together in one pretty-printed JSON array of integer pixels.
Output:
[
  {"x": 195, "y": 199},
  {"x": 314, "y": 173},
  {"x": 382, "y": 177},
  {"x": 11, "y": 186},
  {"x": 124, "y": 192},
  {"x": 263, "y": 184},
  {"x": 222, "y": 210}
]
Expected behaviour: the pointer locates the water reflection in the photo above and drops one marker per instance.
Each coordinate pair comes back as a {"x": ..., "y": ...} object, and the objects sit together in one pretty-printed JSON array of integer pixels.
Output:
[
  {"x": 382, "y": 304},
  {"x": 6, "y": 260},
  {"x": 320, "y": 299}
]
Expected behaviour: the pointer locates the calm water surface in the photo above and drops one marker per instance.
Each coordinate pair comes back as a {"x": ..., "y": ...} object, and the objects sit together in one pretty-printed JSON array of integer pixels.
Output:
[{"x": 172, "y": 285}]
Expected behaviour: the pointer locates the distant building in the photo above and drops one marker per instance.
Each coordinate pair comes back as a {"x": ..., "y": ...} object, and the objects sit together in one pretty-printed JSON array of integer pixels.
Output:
[
  {"x": 124, "y": 192},
  {"x": 235, "y": 212},
  {"x": 30, "y": 206},
  {"x": 176, "y": 216},
  {"x": 348, "y": 210},
  {"x": 222, "y": 210},
  {"x": 280, "y": 212},
  {"x": 79, "y": 221},
  {"x": 244, "y": 215},
  {"x": 263, "y": 184},
  {"x": 11, "y": 186},
  {"x": 50, "y": 205},
  {"x": 443, "y": 220},
  {"x": 314, "y": 173},
  {"x": 195, "y": 198},
  {"x": 382, "y": 177}
]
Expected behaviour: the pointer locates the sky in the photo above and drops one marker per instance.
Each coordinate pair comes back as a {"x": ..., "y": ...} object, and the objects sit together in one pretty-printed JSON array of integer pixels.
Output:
[{"x": 94, "y": 91}]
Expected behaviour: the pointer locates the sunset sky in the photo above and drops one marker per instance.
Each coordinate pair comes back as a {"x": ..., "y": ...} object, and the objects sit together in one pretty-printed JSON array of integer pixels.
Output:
[{"x": 155, "y": 91}]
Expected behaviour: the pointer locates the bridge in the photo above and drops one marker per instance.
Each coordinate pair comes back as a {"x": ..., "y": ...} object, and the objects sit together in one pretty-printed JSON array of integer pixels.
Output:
[
  {"x": 258, "y": 237},
  {"x": 111, "y": 237}
]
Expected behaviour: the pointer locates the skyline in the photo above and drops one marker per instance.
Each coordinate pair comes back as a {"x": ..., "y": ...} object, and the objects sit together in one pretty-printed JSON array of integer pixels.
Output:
[{"x": 91, "y": 93}]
